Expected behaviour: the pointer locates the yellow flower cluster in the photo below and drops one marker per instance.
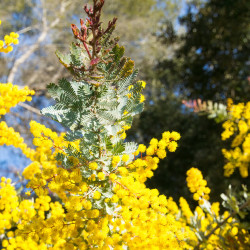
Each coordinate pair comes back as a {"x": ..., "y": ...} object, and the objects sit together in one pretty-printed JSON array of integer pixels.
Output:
[
  {"x": 8, "y": 204},
  {"x": 213, "y": 230},
  {"x": 45, "y": 139},
  {"x": 103, "y": 203},
  {"x": 131, "y": 215},
  {"x": 6, "y": 45},
  {"x": 11, "y": 95},
  {"x": 197, "y": 185},
  {"x": 207, "y": 223},
  {"x": 112, "y": 209},
  {"x": 238, "y": 126},
  {"x": 159, "y": 147},
  {"x": 9, "y": 137},
  {"x": 236, "y": 237},
  {"x": 185, "y": 209},
  {"x": 140, "y": 169}
]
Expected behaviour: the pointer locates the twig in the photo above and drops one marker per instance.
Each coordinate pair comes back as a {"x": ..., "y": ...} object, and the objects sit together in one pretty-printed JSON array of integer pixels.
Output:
[
  {"x": 30, "y": 108},
  {"x": 26, "y": 29}
]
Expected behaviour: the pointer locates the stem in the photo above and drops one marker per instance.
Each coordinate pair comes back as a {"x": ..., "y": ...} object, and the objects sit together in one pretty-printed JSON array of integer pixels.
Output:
[
  {"x": 99, "y": 140},
  {"x": 99, "y": 130},
  {"x": 87, "y": 49},
  {"x": 94, "y": 43}
]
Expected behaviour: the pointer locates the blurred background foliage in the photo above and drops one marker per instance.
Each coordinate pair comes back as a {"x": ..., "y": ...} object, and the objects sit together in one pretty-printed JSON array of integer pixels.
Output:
[{"x": 183, "y": 49}]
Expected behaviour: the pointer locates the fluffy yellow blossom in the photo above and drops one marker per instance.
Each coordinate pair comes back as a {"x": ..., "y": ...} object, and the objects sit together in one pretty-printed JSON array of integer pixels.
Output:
[
  {"x": 116, "y": 159},
  {"x": 175, "y": 136},
  {"x": 101, "y": 176},
  {"x": 142, "y": 148},
  {"x": 143, "y": 84},
  {"x": 153, "y": 141},
  {"x": 112, "y": 177},
  {"x": 93, "y": 165},
  {"x": 9, "y": 137},
  {"x": 97, "y": 195},
  {"x": 151, "y": 150},
  {"x": 11, "y": 95},
  {"x": 142, "y": 99},
  {"x": 185, "y": 209},
  {"x": 161, "y": 153},
  {"x": 238, "y": 125},
  {"x": 123, "y": 171},
  {"x": 125, "y": 158},
  {"x": 172, "y": 146},
  {"x": 31, "y": 170},
  {"x": 9, "y": 40},
  {"x": 197, "y": 184}
]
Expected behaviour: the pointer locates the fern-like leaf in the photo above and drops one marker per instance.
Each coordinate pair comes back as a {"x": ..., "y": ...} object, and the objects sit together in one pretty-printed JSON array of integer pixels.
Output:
[{"x": 118, "y": 148}]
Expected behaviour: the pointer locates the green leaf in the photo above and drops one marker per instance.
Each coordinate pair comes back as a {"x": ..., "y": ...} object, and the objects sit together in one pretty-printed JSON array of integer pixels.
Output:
[
  {"x": 118, "y": 148},
  {"x": 108, "y": 104},
  {"x": 124, "y": 83},
  {"x": 54, "y": 112},
  {"x": 118, "y": 53},
  {"x": 105, "y": 40},
  {"x": 84, "y": 91},
  {"x": 75, "y": 54},
  {"x": 68, "y": 89},
  {"x": 137, "y": 109},
  {"x": 73, "y": 136},
  {"x": 64, "y": 59},
  {"x": 130, "y": 147},
  {"x": 105, "y": 116},
  {"x": 108, "y": 143},
  {"x": 60, "y": 157},
  {"x": 54, "y": 90}
]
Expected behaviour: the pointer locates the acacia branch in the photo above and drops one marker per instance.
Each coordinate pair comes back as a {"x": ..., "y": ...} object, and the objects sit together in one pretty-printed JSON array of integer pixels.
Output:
[{"x": 244, "y": 205}]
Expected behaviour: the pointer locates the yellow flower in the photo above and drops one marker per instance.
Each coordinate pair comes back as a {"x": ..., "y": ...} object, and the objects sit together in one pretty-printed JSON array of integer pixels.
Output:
[
  {"x": 125, "y": 157},
  {"x": 172, "y": 146},
  {"x": 101, "y": 176},
  {"x": 116, "y": 159},
  {"x": 234, "y": 231},
  {"x": 141, "y": 148},
  {"x": 97, "y": 195},
  {"x": 175, "y": 136},
  {"x": 161, "y": 153},
  {"x": 142, "y": 99},
  {"x": 93, "y": 165},
  {"x": 112, "y": 177}
]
